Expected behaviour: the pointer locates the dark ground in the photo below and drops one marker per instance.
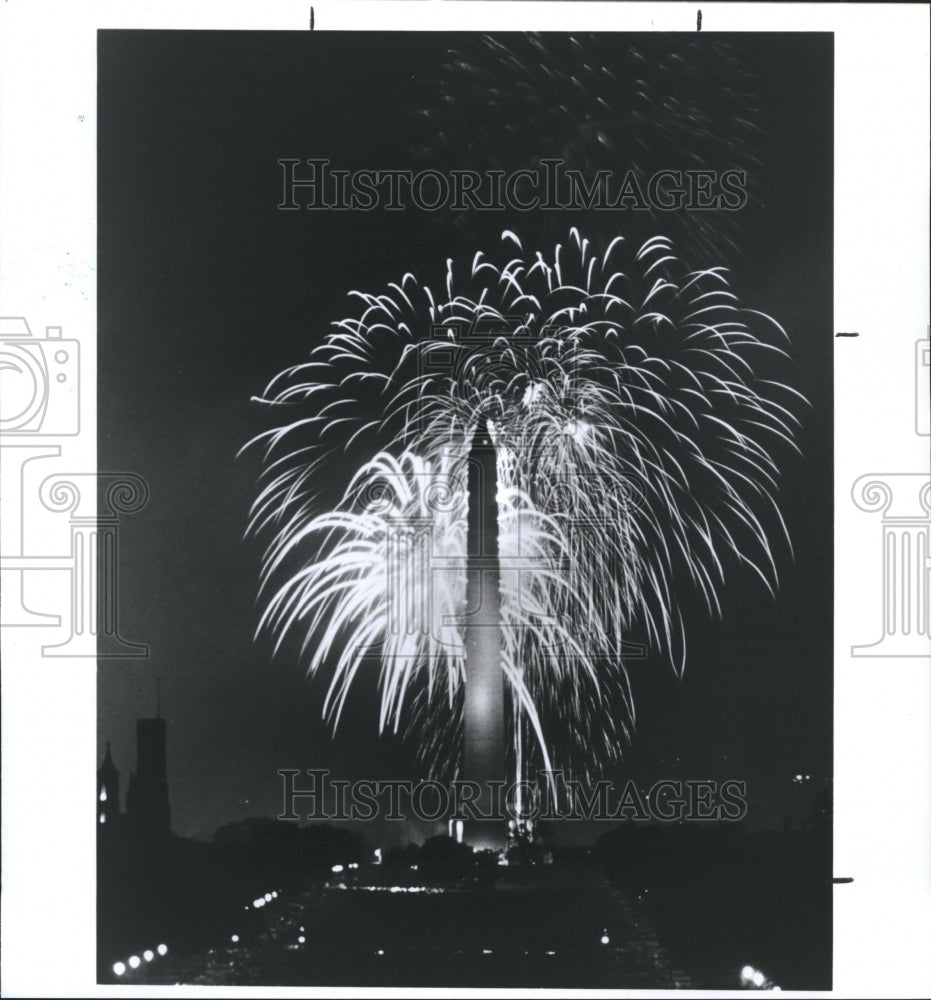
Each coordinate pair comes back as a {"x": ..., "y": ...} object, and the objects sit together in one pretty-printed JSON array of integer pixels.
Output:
[{"x": 680, "y": 907}]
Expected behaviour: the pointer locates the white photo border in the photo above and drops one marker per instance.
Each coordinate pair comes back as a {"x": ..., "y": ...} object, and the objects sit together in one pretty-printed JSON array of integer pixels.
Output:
[{"x": 882, "y": 723}]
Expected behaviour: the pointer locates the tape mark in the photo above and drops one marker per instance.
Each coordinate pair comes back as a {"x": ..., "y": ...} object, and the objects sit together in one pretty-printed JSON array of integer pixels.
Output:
[{"x": 846, "y": 334}]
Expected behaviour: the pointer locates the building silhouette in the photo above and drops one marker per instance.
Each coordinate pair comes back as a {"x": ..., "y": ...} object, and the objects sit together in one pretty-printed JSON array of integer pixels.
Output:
[
  {"x": 147, "y": 810},
  {"x": 148, "y": 813}
]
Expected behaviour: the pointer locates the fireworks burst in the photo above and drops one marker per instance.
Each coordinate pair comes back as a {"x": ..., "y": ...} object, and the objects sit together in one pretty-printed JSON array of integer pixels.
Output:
[{"x": 637, "y": 448}]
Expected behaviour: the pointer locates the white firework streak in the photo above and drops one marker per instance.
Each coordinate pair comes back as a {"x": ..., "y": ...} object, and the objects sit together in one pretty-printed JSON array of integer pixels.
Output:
[{"x": 637, "y": 456}]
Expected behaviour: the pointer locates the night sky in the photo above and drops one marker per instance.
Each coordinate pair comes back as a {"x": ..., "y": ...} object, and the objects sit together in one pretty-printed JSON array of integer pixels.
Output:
[{"x": 206, "y": 291}]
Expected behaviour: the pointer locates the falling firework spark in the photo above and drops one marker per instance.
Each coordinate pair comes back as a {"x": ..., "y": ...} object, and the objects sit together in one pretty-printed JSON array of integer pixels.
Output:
[
  {"x": 604, "y": 102},
  {"x": 637, "y": 447}
]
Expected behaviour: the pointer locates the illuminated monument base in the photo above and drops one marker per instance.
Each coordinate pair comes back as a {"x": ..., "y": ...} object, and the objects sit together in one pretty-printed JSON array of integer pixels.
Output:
[{"x": 485, "y": 835}]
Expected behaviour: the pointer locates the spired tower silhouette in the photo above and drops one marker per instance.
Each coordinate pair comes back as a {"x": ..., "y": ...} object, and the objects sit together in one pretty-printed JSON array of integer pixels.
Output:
[{"x": 483, "y": 712}]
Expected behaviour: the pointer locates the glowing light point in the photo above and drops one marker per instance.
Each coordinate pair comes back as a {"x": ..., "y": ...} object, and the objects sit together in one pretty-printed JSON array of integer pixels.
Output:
[
  {"x": 162, "y": 949},
  {"x": 532, "y": 393},
  {"x": 148, "y": 954},
  {"x": 119, "y": 968},
  {"x": 336, "y": 869},
  {"x": 578, "y": 430},
  {"x": 605, "y": 939},
  {"x": 268, "y": 897},
  {"x": 134, "y": 961},
  {"x": 235, "y": 939},
  {"x": 301, "y": 939},
  {"x": 758, "y": 978}
]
